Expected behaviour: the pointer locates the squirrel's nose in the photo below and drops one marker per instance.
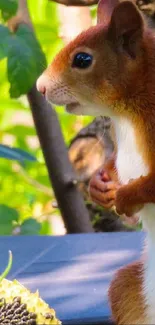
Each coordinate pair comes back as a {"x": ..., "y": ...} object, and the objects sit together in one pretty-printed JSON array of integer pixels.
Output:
[{"x": 41, "y": 85}]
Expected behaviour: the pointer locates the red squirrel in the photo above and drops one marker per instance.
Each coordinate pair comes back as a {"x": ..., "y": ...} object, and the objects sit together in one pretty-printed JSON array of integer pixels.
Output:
[{"x": 109, "y": 69}]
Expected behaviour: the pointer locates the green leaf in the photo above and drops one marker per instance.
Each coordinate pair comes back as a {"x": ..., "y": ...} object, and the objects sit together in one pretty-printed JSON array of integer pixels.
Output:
[
  {"x": 21, "y": 130},
  {"x": 8, "y": 8},
  {"x": 45, "y": 228},
  {"x": 30, "y": 227},
  {"x": 4, "y": 36},
  {"x": 21, "y": 66},
  {"x": 15, "y": 154},
  {"x": 7, "y": 216},
  {"x": 25, "y": 32},
  {"x": 26, "y": 61}
]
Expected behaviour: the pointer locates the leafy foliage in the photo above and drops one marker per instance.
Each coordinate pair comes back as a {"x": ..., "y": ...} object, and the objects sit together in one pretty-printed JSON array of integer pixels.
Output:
[
  {"x": 4, "y": 36},
  {"x": 7, "y": 216},
  {"x": 30, "y": 227},
  {"x": 8, "y": 8},
  {"x": 10, "y": 224},
  {"x": 25, "y": 58},
  {"x": 25, "y": 61},
  {"x": 15, "y": 154},
  {"x": 25, "y": 192}
]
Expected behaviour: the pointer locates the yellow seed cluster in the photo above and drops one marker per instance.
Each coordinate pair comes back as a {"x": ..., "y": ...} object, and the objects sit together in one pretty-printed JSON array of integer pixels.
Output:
[{"x": 11, "y": 289}]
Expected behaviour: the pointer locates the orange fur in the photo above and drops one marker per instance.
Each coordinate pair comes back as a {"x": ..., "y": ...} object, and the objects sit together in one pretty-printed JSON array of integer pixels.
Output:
[{"x": 125, "y": 295}]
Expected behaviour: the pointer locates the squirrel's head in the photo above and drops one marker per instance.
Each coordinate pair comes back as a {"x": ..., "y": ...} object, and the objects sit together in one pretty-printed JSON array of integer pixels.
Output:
[{"x": 101, "y": 66}]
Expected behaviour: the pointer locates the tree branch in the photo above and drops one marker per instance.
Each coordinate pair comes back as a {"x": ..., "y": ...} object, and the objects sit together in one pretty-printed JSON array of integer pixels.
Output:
[
  {"x": 61, "y": 174},
  {"x": 62, "y": 177},
  {"x": 80, "y": 3}
]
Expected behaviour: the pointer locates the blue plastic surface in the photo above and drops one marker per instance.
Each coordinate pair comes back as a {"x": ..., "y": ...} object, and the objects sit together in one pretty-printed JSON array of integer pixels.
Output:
[{"x": 72, "y": 272}]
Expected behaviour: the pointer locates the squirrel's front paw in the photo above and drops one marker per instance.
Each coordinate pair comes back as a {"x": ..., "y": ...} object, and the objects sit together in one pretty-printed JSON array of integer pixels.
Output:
[{"x": 123, "y": 203}]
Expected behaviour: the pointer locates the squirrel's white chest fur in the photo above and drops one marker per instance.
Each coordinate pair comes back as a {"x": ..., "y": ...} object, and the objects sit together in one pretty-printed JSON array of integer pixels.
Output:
[
  {"x": 129, "y": 162},
  {"x": 130, "y": 165}
]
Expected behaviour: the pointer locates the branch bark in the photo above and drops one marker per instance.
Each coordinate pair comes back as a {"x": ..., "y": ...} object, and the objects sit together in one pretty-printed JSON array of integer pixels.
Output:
[
  {"x": 62, "y": 177},
  {"x": 74, "y": 3}
]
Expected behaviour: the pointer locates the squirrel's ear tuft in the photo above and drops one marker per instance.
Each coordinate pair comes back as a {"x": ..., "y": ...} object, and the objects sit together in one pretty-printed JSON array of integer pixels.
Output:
[
  {"x": 126, "y": 27},
  {"x": 104, "y": 11}
]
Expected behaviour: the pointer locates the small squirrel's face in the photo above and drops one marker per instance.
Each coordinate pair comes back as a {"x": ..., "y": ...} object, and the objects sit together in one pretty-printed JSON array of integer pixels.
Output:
[
  {"x": 79, "y": 77},
  {"x": 88, "y": 74}
]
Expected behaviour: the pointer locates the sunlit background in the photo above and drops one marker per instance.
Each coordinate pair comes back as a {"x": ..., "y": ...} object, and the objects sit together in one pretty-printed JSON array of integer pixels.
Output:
[{"x": 26, "y": 200}]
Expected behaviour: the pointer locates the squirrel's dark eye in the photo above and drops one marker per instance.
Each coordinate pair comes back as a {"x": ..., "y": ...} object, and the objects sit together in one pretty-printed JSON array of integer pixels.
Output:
[{"x": 82, "y": 60}]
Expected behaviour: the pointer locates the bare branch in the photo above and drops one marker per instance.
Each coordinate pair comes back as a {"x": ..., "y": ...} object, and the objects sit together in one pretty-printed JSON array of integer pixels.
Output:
[
  {"x": 61, "y": 174},
  {"x": 74, "y": 3}
]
